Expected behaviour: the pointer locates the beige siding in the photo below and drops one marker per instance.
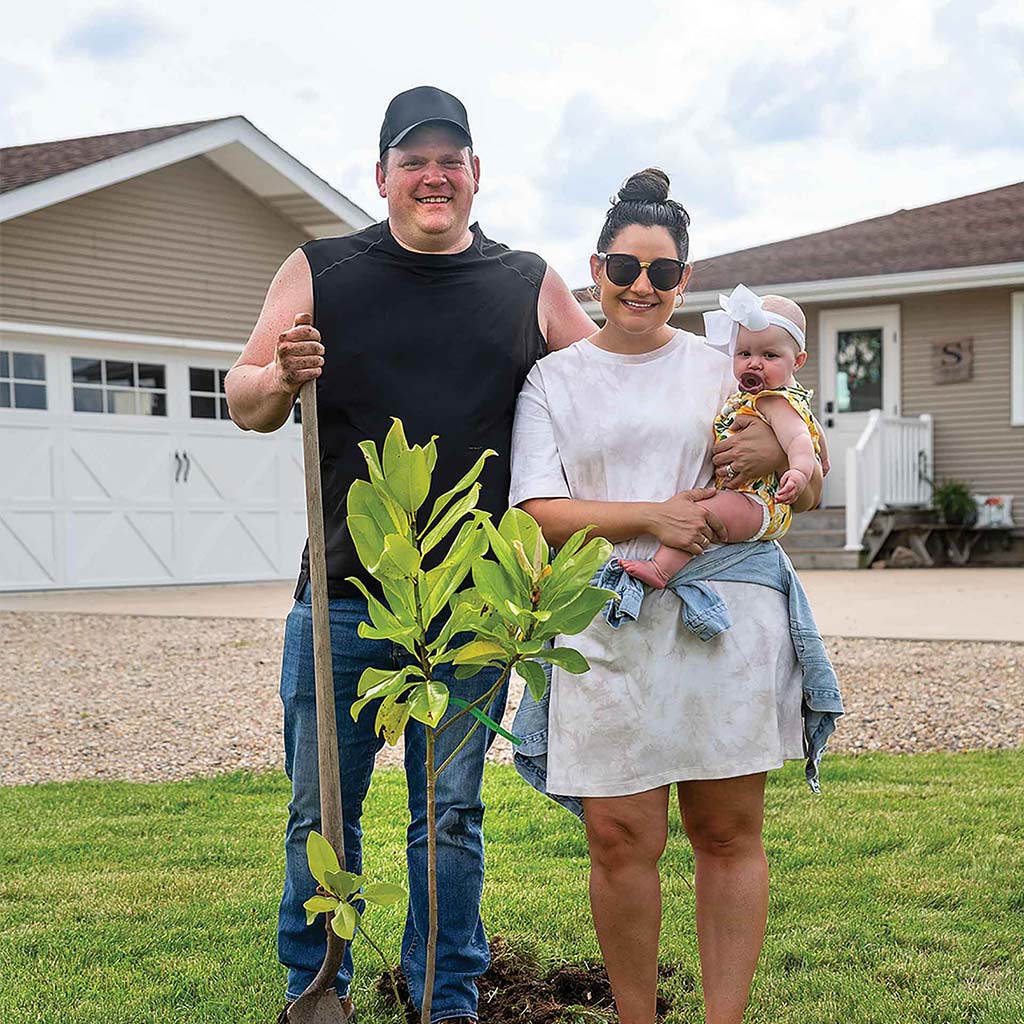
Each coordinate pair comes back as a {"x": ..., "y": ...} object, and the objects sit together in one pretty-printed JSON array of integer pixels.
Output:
[
  {"x": 974, "y": 441},
  {"x": 184, "y": 251}
]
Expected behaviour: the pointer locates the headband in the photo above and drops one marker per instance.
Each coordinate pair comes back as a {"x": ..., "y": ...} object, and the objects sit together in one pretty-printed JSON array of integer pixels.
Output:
[{"x": 743, "y": 308}]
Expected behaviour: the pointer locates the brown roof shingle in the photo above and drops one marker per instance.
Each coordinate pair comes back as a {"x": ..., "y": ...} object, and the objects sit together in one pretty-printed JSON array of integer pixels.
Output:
[
  {"x": 24, "y": 165},
  {"x": 974, "y": 230}
]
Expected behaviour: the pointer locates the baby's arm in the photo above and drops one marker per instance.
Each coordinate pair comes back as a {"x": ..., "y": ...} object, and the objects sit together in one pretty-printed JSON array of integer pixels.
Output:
[{"x": 795, "y": 439}]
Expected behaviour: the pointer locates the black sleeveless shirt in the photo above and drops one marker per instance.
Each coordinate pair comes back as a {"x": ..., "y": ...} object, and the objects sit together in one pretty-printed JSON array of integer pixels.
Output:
[{"x": 444, "y": 342}]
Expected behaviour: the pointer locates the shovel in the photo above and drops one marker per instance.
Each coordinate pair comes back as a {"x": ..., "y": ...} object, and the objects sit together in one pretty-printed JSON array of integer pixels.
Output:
[{"x": 319, "y": 1004}]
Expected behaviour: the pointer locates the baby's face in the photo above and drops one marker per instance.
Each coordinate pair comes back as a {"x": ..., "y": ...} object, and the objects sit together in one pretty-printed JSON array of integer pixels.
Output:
[{"x": 771, "y": 354}]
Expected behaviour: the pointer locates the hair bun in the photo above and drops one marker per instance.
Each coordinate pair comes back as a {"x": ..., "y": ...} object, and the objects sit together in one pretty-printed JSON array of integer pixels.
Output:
[{"x": 648, "y": 186}]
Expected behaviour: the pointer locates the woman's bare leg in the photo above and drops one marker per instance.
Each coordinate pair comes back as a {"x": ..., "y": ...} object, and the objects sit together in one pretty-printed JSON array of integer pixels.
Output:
[
  {"x": 724, "y": 818},
  {"x": 627, "y": 837},
  {"x": 742, "y": 517}
]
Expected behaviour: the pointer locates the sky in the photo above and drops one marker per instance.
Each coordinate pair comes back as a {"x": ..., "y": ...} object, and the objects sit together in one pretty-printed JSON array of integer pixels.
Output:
[{"x": 773, "y": 119}]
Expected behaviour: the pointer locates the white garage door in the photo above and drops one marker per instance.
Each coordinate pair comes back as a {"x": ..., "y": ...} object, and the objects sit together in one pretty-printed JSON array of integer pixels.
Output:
[{"x": 119, "y": 466}]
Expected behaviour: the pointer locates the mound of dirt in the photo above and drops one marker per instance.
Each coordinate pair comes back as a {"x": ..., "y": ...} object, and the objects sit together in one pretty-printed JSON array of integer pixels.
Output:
[{"x": 514, "y": 990}]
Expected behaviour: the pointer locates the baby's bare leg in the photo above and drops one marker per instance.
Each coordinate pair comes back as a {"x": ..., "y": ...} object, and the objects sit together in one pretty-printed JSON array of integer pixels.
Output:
[{"x": 742, "y": 517}]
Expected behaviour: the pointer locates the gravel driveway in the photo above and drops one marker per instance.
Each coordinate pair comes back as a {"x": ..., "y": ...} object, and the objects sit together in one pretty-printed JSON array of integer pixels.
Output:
[{"x": 96, "y": 696}]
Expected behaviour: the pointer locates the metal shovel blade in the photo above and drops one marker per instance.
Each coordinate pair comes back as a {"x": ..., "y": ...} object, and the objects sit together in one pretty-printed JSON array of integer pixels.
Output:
[{"x": 321, "y": 1007}]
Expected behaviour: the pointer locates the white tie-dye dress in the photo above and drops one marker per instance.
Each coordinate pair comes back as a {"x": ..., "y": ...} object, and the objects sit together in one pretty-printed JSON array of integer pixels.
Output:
[{"x": 658, "y": 705}]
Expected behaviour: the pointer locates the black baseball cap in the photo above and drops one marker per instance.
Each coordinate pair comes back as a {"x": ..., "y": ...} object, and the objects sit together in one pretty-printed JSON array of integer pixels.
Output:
[{"x": 418, "y": 106}]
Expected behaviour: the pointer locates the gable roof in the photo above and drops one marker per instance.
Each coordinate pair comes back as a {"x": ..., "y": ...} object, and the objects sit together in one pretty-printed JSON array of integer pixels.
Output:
[
  {"x": 971, "y": 240},
  {"x": 23, "y": 165},
  {"x": 36, "y": 176},
  {"x": 970, "y": 231}
]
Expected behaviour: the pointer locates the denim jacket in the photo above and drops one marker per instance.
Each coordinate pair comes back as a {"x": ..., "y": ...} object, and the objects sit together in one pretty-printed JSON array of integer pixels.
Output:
[{"x": 706, "y": 614}]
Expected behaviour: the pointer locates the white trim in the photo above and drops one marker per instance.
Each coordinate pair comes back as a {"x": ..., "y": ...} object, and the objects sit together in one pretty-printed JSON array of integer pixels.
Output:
[
  {"x": 993, "y": 275},
  {"x": 152, "y": 157},
  {"x": 1017, "y": 359},
  {"x": 61, "y": 331}
]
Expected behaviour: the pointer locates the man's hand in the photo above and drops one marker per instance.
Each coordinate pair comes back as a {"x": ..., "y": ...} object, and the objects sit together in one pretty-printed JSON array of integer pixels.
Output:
[
  {"x": 683, "y": 524},
  {"x": 791, "y": 486},
  {"x": 299, "y": 356},
  {"x": 751, "y": 451}
]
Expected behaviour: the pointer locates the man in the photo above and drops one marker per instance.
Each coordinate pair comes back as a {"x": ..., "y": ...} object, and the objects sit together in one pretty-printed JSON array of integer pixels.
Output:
[{"x": 422, "y": 317}]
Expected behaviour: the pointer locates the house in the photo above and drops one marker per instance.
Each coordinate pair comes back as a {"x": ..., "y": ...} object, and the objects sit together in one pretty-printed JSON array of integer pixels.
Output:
[
  {"x": 133, "y": 268},
  {"x": 915, "y": 340}
]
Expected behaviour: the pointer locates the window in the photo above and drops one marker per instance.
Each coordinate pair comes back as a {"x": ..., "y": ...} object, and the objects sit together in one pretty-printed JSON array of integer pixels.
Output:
[
  {"x": 206, "y": 393},
  {"x": 119, "y": 387},
  {"x": 297, "y": 411},
  {"x": 1017, "y": 359},
  {"x": 22, "y": 380}
]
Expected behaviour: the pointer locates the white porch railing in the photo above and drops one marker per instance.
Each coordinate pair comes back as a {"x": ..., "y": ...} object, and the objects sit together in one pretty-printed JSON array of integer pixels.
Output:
[{"x": 889, "y": 466}]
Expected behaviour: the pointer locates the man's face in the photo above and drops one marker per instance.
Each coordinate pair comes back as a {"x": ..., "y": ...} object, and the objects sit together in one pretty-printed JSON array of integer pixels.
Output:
[{"x": 429, "y": 181}]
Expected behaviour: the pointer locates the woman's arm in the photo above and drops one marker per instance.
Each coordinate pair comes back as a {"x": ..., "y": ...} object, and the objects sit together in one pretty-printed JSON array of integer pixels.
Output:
[{"x": 678, "y": 522}]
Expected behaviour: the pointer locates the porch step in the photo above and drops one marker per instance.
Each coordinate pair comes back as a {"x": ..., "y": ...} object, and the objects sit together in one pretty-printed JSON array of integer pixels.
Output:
[
  {"x": 817, "y": 540},
  {"x": 823, "y": 558}
]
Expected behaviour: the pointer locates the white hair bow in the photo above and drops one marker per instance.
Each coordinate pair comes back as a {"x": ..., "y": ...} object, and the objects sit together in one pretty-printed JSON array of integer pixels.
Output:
[{"x": 744, "y": 308}]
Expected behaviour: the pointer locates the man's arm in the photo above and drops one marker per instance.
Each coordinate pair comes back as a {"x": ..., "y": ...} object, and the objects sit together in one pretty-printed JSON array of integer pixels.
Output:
[
  {"x": 562, "y": 320},
  {"x": 282, "y": 353}
]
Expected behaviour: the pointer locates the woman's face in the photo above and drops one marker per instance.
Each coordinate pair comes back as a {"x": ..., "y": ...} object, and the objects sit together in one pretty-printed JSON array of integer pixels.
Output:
[{"x": 638, "y": 308}]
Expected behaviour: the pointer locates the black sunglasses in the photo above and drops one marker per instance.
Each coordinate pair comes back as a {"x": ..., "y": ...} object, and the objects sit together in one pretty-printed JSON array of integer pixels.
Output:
[{"x": 623, "y": 269}]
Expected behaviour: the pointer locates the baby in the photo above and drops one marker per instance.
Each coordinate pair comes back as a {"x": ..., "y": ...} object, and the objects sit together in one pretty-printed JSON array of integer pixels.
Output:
[{"x": 765, "y": 337}]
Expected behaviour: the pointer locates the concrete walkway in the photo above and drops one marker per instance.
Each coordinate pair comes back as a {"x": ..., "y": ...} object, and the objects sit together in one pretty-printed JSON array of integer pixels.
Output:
[{"x": 914, "y": 604}]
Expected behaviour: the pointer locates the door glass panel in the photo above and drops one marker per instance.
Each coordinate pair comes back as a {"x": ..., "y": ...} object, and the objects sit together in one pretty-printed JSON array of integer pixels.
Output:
[
  {"x": 120, "y": 373},
  {"x": 121, "y": 402},
  {"x": 88, "y": 400},
  {"x": 859, "y": 370},
  {"x": 85, "y": 371},
  {"x": 4, "y": 365},
  {"x": 29, "y": 366},
  {"x": 152, "y": 403},
  {"x": 224, "y": 414},
  {"x": 5, "y": 395},
  {"x": 30, "y": 396},
  {"x": 151, "y": 375},
  {"x": 204, "y": 407},
  {"x": 200, "y": 379}
]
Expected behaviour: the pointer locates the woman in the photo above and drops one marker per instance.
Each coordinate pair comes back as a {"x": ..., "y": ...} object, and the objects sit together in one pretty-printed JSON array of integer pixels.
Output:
[{"x": 615, "y": 431}]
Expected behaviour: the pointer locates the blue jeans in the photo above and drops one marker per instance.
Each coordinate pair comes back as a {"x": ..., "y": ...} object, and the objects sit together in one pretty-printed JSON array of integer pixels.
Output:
[{"x": 462, "y": 952}]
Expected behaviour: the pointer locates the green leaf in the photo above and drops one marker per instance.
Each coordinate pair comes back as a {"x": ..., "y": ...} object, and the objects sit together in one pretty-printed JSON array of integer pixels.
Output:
[
  {"x": 345, "y": 920},
  {"x": 570, "y": 547},
  {"x": 465, "y": 482},
  {"x": 517, "y": 525},
  {"x": 534, "y": 676},
  {"x": 392, "y": 718},
  {"x": 382, "y": 893},
  {"x": 321, "y": 857},
  {"x": 376, "y": 471},
  {"x": 401, "y": 598},
  {"x": 496, "y": 585},
  {"x": 566, "y": 658},
  {"x": 575, "y": 616},
  {"x": 367, "y": 538},
  {"x": 376, "y": 683},
  {"x": 398, "y": 560},
  {"x": 395, "y": 446},
  {"x": 467, "y": 671},
  {"x": 343, "y": 883},
  {"x": 366, "y": 500},
  {"x": 478, "y": 652},
  {"x": 470, "y": 544},
  {"x": 574, "y": 573},
  {"x": 446, "y": 523},
  {"x": 427, "y": 703},
  {"x": 383, "y": 620},
  {"x": 405, "y": 637},
  {"x": 506, "y": 557},
  {"x": 317, "y": 905}
]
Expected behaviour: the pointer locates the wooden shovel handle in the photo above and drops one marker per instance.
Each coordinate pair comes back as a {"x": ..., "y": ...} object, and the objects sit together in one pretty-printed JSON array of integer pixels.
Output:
[{"x": 326, "y": 725}]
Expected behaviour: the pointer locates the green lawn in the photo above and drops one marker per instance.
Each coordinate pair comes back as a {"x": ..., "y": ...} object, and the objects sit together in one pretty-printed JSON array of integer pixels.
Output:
[{"x": 897, "y": 896}]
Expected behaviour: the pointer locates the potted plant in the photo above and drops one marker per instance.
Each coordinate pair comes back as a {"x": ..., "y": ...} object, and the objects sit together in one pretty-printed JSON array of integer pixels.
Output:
[{"x": 955, "y": 502}]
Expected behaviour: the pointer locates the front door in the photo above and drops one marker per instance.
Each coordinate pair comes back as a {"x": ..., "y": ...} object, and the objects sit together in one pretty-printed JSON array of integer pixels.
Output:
[{"x": 860, "y": 371}]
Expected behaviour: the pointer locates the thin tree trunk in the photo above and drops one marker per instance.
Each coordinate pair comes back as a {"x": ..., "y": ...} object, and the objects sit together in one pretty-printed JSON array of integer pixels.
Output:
[{"x": 428, "y": 981}]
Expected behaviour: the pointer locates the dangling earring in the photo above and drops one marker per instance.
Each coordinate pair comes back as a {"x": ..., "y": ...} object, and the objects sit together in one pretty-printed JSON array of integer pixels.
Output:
[
  {"x": 679, "y": 299},
  {"x": 595, "y": 292}
]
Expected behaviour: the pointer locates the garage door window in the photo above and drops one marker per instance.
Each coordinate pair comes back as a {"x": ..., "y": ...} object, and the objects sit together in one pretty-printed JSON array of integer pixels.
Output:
[
  {"x": 22, "y": 380},
  {"x": 206, "y": 392},
  {"x": 119, "y": 387}
]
